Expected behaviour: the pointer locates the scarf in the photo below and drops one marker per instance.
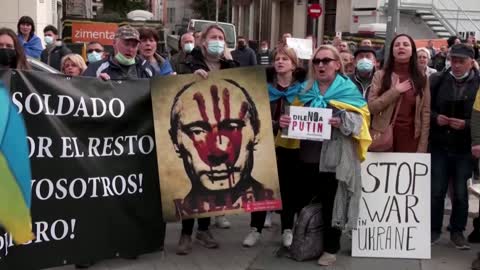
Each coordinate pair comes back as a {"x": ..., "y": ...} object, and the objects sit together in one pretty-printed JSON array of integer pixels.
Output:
[{"x": 288, "y": 94}]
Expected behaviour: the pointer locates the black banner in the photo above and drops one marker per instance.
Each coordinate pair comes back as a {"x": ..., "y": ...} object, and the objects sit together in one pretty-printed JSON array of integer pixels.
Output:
[{"x": 95, "y": 189}]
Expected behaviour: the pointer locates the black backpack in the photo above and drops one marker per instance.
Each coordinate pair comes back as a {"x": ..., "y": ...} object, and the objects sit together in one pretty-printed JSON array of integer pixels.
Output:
[{"x": 307, "y": 241}]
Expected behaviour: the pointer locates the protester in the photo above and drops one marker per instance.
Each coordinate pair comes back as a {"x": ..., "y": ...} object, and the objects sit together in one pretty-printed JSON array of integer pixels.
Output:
[
  {"x": 211, "y": 55},
  {"x": 73, "y": 65},
  {"x": 336, "y": 43},
  {"x": 344, "y": 47},
  {"x": 423, "y": 58},
  {"x": 366, "y": 43},
  {"x": 346, "y": 57},
  {"x": 55, "y": 50},
  {"x": 125, "y": 64},
  {"x": 284, "y": 83},
  {"x": 31, "y": 43},
  {"x": 431, "y": 49},
  {"x": 264, "y": 56},
  {"x": 453, "y": 95},
  {"x": 365, "y": 62},
  {"x": 243, "y": 54},
  {"x": 148, "y": 50},
  {"x": 349, "y": 68},
  {"x": 471, "y": 41},
  {"x": 329, "y": 88},
  {"x": 198, "y": 38},
  {"x": 95, "y": 52},
  {"x": 440, "y": 59},
  {"x": 402, "y": 89},
  {"x": 284, "y": 38},
  {"x": 11, "y": 51},
  {"x": 187, "y": 43}
]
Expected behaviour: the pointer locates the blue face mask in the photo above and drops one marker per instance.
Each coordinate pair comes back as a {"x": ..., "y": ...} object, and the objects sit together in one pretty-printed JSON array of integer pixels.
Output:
[
  {"x": 215, "y": 47},
  {"x": 94, "y": 57},
  {"x": 188, "y": 47},
  {"x": 365, "y": 65}
]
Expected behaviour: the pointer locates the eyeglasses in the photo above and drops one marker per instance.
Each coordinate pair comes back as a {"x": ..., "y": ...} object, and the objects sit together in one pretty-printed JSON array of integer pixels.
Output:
[
  {"x": 95, "y": 50},
  {"x": 324, "y": 61}
]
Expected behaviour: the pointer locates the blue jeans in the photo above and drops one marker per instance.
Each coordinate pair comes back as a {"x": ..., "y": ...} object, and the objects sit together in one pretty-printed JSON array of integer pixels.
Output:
[{"x": 446, "y": 166}]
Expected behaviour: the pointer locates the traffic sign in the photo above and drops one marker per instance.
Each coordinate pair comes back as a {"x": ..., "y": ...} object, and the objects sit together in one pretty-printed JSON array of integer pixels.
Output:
[{"x": 315, "y": 11}]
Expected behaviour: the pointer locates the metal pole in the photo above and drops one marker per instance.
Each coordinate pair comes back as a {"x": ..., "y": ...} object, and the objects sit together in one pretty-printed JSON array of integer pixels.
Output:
[
  {"x": 216, "y": 10},
  {"x": 392, "y": 25},
  {"x": 228, "y": 11},
  {"x": 456, "y": 26}
]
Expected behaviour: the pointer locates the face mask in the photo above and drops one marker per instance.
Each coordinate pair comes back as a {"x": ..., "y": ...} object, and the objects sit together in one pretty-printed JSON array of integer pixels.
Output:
[
  {"x": 241, "y": 45},
  {"x": 461, "y": 77},
  {"x": 264, "y": 49},
  {"x": 49, "y": 40},
  {"x": 123, "y": 60},
  {"x": 188, "y": 47},
  {"x": 94, "y": 57},
  {"x": 8, "y": 58},
  {"x": 215, "y": 47},
  {"x": 365, "y": 65}
]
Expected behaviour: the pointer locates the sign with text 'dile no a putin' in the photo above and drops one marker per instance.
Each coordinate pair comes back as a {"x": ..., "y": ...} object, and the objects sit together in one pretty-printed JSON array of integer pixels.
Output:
[{"x": 394, "y": 220}]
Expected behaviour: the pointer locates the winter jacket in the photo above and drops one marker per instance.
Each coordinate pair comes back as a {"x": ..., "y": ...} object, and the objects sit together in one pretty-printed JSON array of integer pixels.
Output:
[
  {"x": 140, "y": 70},
  {"x": 452, "y": 101},
  {"x": 382, "y": 108},
  {"x": 53, "y": 55}
]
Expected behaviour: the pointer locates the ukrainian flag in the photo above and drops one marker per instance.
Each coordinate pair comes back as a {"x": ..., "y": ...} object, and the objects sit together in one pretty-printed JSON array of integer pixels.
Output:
[
  {"x": 342, "y": 94},
  {"x": 15, "y": 174}
]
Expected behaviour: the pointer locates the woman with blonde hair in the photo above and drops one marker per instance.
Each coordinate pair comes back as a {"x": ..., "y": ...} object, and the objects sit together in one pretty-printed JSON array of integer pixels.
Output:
[
  {"x": 424, "y": 56},
  {"x": 284, "y": 80},
  {"x": 73, "y": 65},
  {"x": 211, "y": 55},
  {"x": 331, "y": 168}
]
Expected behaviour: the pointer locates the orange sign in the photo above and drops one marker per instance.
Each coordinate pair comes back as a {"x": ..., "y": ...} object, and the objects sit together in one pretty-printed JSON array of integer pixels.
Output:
[
  {"x": 104, "y": 33},
  {"x": 437, "y": 43}
]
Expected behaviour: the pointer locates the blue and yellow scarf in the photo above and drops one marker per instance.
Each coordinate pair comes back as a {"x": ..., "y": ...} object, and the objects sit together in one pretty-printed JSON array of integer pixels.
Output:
[
  {"x": 342, "y": 94},
  {"x": 289, "y": 94}
]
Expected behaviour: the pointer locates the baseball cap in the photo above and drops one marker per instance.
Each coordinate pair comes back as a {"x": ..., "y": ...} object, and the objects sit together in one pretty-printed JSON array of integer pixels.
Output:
[
  {"x": 462, "y": 51},
  {"x": 363, "y": 49},
  {"x": 127, "y": 32}
]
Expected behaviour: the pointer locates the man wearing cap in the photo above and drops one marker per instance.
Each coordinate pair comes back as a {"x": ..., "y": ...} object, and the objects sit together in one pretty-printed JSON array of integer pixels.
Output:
[
  {"x": 187, "y": 43},
  {"x": 365, "y": 61},
  {"x": 453, "y": 93},
  {"x": 124, "y": 64}
]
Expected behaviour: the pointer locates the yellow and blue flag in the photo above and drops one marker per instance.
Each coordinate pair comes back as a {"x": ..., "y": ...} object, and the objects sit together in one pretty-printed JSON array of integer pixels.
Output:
[{"x": 15, "y": 173}]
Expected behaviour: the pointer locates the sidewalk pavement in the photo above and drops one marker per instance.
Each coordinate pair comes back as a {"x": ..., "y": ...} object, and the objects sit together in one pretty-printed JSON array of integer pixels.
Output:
[{"x": 232, "y": 255}]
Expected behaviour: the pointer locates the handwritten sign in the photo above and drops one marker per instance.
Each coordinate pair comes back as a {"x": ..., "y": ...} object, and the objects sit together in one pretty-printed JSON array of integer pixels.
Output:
[
  {"x": 394, "y": 219},
  {"x": 308, "y": 124},
  {"x": 303, "y": 47}
]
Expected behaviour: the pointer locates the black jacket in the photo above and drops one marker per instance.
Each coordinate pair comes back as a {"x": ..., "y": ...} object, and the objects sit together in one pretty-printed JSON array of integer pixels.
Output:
[
  {"x": 53, "y": 56},
  {"x": 448, "y": 100},
  {"x": 356, "y": 80},
  {"x": 195, "y": 60},
  {"x": 142, "y": 69},
  {"x": 245, "y": 57}
]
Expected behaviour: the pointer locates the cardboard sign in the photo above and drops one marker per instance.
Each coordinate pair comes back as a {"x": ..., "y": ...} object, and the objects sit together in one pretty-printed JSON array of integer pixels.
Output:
[
  {"x": 104, "y": 33},
  {"x": 303, "y": 47},
  {"x": 308, "y": 124},
  {"x": 394, "y": 220}
]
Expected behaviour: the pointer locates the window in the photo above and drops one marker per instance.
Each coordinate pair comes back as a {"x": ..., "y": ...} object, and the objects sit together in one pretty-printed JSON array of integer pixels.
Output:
[{"x": 170, "y": 15}]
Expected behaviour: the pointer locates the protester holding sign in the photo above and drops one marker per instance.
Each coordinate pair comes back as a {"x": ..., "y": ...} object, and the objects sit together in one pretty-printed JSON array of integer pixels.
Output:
[
  {"x": 124, "y": 64},
  {"x": 332, "y": 168},
  {"x": 210, "y": 56},
  {"x": 148, "y": 50},
  {"x": 284, "y": 83},
  {"x": 453, "y": 95},
  {"x": 400, "y": 102},
  {"x": 11, "y": 52}
]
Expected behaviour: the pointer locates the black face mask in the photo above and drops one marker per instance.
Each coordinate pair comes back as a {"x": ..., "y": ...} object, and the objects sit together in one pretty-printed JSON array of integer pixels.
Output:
[
  {"x": 241, "y": 45},
  {"x": 8, "y": 58}
]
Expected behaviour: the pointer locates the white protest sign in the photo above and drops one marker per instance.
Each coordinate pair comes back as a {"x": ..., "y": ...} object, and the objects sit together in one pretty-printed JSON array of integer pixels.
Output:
[
  {"x": 303, "y": 47},
  {"x": 308, "y": 124},
  {"x": 394, "y": 219}
]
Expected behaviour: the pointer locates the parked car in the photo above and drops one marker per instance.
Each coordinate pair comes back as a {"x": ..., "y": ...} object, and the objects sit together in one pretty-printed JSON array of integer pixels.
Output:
[{"x": 38, "y": 65}]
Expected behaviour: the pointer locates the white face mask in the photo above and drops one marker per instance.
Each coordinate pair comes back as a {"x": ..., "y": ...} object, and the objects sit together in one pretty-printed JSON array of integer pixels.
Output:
[
  {"x": 49, "y": 40},
  {"x": 188, "y": 47},
  {"x": 461, "y": 77}
]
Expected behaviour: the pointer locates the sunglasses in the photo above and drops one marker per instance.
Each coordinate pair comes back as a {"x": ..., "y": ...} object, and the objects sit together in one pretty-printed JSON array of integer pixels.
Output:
[
  {"x": 324, "y": 61},
  {"x": 95, "y": 50}
]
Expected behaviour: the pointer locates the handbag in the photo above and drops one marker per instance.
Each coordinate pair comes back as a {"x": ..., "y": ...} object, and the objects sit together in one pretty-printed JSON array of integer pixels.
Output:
[{"x": 383, "y": 140}]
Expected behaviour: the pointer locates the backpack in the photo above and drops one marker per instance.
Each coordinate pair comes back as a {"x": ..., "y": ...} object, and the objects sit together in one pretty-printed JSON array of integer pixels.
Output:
[{"x": 307, "y": 241}]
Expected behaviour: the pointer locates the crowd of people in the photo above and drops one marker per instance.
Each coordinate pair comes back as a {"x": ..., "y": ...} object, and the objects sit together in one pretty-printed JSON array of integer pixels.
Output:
[{"x": 420, "y": 100}]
